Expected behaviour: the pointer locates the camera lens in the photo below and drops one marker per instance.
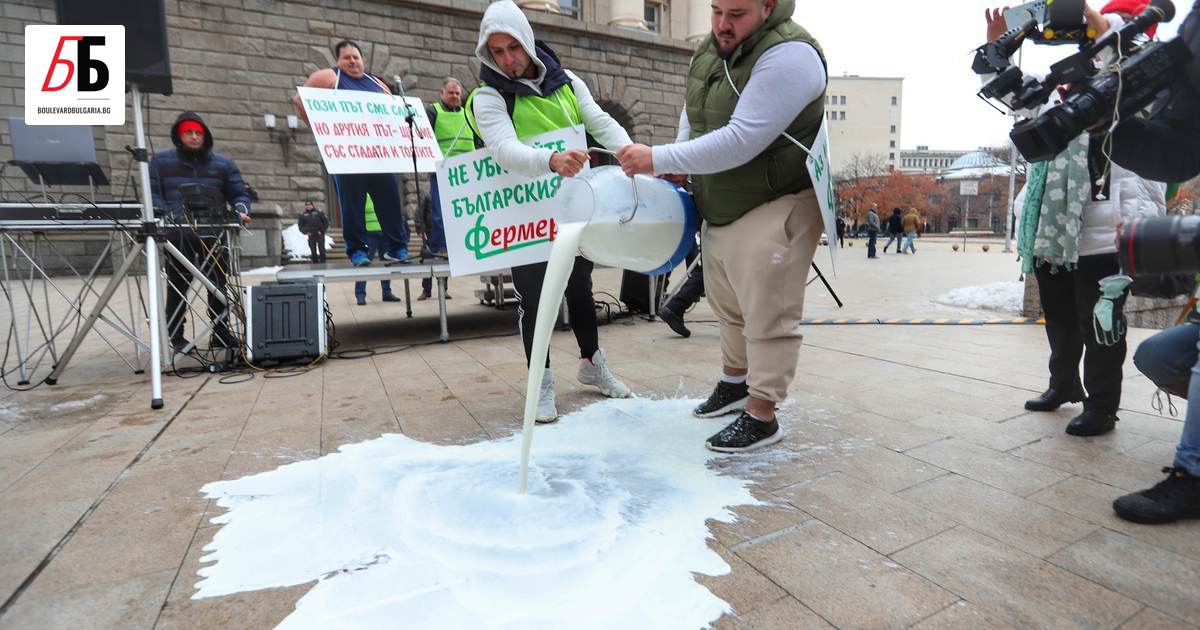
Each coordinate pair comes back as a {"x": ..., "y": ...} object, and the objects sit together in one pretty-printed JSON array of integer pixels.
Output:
[{"x": 1161, "y": 245}]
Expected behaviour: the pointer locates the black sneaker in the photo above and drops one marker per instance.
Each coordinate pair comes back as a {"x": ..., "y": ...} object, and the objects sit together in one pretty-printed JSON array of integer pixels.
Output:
[
  {"x": 1175, "y": 498},
  {"x": 726, "y": 398},
  {"x": 745, "y": 434},
  {"x": 675, "y": 321},
  {"x": 179, "y": 344}
]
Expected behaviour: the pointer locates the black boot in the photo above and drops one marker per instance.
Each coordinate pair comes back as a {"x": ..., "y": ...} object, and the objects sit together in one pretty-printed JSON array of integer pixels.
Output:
[
  {"x": 1175, "y": 498},
  {"x": 674, "y": 320},
  {"x": 1092, "y": 422},
  {"x": 1052, "y": 399}
]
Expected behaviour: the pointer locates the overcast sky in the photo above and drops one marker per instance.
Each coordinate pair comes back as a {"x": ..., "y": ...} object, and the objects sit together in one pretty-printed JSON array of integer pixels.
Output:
[{"x": 930, "y": 44}]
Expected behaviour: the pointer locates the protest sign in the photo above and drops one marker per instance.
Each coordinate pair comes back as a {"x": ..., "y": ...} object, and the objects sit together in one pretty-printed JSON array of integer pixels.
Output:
[
  {"x": 495, "y": 219},
  {"x": 820, "y": 169},
  {"x": 367, "y": 132}
]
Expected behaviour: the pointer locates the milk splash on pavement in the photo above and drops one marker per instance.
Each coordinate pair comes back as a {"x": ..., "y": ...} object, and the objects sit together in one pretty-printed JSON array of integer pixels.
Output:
[
  {"x": 642, "y": 246},
  {"x": 401, "y": 533},
  {"x": 558, "y": 271}
]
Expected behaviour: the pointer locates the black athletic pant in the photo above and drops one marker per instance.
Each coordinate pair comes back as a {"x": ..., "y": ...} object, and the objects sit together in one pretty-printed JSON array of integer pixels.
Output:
[
  {"x": 527, "y": 282},
  {"x": 692, "y": 289},
  {"x": 1067, "y": 299},
  {"x": 316, "y": 247},
  {"x": 208, "y": 254}
]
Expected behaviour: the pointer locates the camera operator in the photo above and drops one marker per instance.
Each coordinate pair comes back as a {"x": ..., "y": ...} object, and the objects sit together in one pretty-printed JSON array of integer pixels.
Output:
[
  {"x": 193, "y": 161},
  {"x": 1169, "y": 360},
  {"x": 1073, "y": 205},
  {"x": 1166, "y": 146}
]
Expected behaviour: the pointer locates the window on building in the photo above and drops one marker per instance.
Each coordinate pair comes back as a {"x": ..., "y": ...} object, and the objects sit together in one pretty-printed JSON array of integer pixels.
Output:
[
  {"x": 891, "y": 156},
  {"x": 841, "y": 115},
  {"x": 652, "y": 16},
  {"x": 894, "y": 99},
  {"x": 843, "y": 100},
  {"x": 893, "y": 128},
  {"x": 832, "y": 99},
  {"x": 892, "y": 144},
  {"x": 569, "y": 8}
]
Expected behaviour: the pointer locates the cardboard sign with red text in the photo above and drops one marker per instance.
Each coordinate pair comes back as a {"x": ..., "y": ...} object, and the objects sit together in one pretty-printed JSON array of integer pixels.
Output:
[
  {"x": 367, "y": 132},
  {"x": 495, "y": 219}
]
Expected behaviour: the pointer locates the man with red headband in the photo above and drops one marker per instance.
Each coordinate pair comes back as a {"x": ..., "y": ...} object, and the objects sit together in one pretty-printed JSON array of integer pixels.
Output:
[{"x": 193, "y": 161}]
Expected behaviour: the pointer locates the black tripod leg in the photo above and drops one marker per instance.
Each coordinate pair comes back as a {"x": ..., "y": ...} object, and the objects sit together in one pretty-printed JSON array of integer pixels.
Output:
[{"x": 827, "y": 286}]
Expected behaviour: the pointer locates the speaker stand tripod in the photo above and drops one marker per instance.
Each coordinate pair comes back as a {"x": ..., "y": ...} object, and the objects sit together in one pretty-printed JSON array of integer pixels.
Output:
[{"x": 154, "y": 307}]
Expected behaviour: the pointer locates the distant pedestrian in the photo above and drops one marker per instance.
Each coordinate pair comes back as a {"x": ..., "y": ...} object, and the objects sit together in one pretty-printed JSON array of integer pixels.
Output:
[
  {"x": 895, "y": 227},
  {"x": 841, "y": 231},
  {"x": 313, "y": 223},
  {"x": 911, "y": 223},
  {"x": 872, "y": 231}
]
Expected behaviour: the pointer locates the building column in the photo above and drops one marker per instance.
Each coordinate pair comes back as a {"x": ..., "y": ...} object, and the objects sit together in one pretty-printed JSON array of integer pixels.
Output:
[
  {"x": 627, "y": 14},
  {"x": 699, "y": 23}
]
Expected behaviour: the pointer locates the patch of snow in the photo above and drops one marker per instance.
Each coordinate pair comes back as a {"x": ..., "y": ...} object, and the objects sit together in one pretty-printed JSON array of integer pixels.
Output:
[
  {"x": 997, "y": 296},
  {"x": 295, "y": 243},
  {"x": 72, "y": 405},
  {"x": 264, "y": 271}
]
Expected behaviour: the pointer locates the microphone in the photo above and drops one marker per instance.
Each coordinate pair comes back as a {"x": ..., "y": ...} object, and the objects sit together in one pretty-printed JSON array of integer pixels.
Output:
[
  {"x": 1155, "y": 12},
  {"x": 400, "y": 86}
]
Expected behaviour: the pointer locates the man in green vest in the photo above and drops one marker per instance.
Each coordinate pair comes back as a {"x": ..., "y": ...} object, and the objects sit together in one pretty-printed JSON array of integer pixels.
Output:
[
  {"x": 454, "y": 136},
  {"x": 755, "y": 96},
  {"x": 376, "y": 245},
  {"x": 524, "y": 92}
]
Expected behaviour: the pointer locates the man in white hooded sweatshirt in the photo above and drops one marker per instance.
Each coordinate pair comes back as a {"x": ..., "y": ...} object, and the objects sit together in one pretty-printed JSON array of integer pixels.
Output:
[{"x": 525, "y": 92}]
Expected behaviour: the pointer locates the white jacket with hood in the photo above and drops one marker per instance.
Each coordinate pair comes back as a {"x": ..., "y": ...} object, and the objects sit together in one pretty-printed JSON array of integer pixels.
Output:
[
  {"x": 491, "y": 114},
  {"x": 1130, "y": 195}
]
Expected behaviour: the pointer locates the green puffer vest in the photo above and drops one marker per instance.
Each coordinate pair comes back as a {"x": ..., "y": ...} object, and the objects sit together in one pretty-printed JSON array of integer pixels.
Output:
[{"x": 779, "y": 170}]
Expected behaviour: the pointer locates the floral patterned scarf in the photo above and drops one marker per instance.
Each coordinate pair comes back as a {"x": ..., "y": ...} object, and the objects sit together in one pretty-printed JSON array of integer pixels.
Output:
[{"x": 1052, "y": 219}]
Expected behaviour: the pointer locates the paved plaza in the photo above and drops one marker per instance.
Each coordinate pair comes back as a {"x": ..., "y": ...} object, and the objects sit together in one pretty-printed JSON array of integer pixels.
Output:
[{"x": 911, "y": 490}]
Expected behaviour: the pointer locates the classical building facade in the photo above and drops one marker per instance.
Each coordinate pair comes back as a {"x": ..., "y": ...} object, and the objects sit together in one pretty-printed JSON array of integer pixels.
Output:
[
  {"x": 924, "y": 160},
  {"x": 864, "y": 119},
  {"x": 234, "y": 61}
]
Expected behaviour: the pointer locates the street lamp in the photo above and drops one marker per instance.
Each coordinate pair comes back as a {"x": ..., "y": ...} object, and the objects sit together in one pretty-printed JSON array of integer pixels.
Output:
[{"x": 282, "y": 136}]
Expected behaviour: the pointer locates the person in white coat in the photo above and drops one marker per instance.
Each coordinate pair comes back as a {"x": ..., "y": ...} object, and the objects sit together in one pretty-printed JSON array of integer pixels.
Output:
[
  {"x": 1074, "y": 205},
  {"x": 525, "y": 91}
]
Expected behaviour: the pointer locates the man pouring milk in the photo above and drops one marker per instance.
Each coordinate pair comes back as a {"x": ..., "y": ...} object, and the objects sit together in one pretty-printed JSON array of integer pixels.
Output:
[
  {"x": 524, "y": 92},
  {"x": 756, "y": 87}
]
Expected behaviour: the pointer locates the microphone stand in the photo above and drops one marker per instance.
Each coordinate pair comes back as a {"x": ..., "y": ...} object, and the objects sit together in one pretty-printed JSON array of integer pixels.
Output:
[{"x": 410, "y": 118}]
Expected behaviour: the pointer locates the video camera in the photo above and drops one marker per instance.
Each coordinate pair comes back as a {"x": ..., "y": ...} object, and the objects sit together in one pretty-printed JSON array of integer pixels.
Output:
[{"x": 1095, "y": 95}]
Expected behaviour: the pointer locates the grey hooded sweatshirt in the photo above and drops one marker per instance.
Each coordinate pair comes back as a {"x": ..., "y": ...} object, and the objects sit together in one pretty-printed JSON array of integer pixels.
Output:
[{"x": 491, "y": 115}]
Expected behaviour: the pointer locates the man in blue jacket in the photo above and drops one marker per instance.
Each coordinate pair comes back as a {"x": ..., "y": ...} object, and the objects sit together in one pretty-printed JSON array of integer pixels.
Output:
[{"x": 193, "y": 161}]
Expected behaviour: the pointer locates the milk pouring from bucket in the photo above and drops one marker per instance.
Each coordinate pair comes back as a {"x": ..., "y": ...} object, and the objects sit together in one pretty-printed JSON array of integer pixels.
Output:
[{"x": 642, "y": 224}]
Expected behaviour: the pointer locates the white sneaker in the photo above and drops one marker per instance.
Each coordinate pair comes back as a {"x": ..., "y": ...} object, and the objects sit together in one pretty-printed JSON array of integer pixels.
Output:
[
  {"x": 547, "y": 412},
  {"x": 597, "y": 374}
]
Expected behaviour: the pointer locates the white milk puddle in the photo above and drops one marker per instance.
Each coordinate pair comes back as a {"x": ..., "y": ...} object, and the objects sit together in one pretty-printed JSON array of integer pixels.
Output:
[{"x": 401, "y": 533}]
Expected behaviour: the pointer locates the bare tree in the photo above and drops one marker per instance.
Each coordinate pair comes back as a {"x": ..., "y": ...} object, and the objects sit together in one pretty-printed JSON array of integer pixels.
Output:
[
  {"x": 862, "y": 165},
  {"x": 1003, "y": 154}
]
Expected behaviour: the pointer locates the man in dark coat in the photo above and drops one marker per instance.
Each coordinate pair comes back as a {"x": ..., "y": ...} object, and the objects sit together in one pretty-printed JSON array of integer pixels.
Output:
[{"x": 193, "y": 161}]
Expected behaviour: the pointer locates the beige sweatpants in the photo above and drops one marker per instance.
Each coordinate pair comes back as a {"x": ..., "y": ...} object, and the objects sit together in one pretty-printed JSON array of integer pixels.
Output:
[{"x": 755, "y": 273}]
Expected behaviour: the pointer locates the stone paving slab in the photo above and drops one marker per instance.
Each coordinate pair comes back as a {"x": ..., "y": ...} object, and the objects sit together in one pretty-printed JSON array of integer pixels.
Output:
[{"x": 911, "y": 490}]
